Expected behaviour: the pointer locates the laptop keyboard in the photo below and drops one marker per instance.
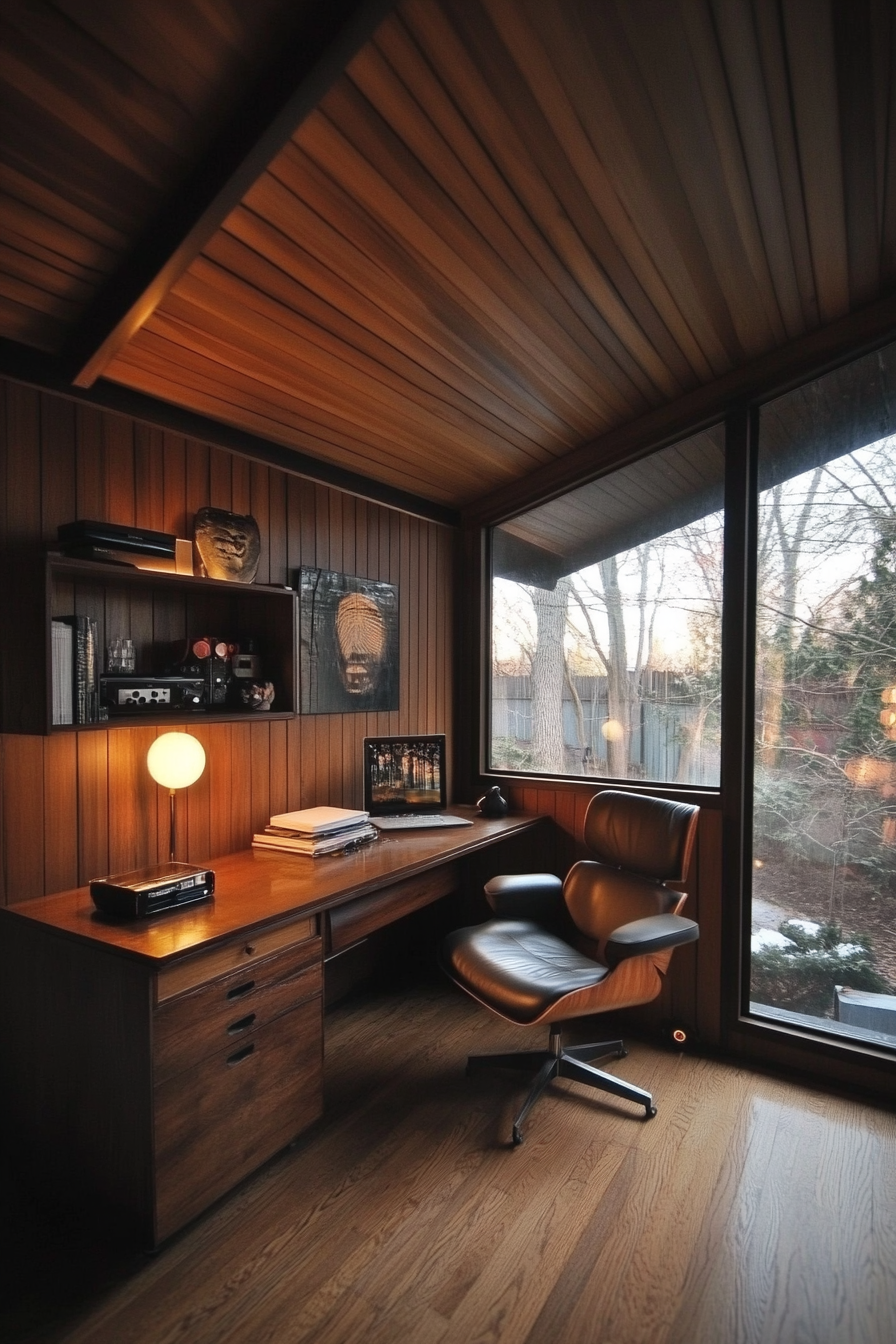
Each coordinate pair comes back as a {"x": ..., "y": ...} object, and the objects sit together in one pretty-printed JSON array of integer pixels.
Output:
[{"x": 416, "y": 821}]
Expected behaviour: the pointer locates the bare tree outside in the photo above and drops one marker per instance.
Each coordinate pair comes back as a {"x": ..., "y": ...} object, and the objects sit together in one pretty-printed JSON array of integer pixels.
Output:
[
  {"x": 615, "y": 670},
  {"x": 824, "y": 836}
]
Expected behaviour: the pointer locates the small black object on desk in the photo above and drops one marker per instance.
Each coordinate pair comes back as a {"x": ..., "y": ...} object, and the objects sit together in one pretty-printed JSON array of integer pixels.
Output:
[{"x": 493, "y": 803}]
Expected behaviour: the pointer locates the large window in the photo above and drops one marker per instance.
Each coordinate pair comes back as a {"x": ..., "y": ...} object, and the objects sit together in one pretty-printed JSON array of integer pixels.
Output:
[
  {"x": 606, "y": 625},
  {"x": 823, "y": 937}
]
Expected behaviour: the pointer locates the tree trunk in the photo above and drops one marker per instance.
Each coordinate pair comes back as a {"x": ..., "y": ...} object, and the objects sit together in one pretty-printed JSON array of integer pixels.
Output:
[
  {"x": 548, "y": 675},
  {"x": 617, "y": 729}
]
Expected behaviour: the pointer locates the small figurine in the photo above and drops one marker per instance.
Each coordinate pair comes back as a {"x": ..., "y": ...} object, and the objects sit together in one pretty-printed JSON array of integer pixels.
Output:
[
  {"x": 257, "y": 695},
  {"x": 229, "y": 544},
  {"x": 492, "y": 803}
]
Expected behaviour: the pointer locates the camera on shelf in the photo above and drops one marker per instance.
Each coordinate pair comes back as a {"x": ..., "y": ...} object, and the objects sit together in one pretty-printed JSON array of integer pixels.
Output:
[{"x": 223, "y": 666}]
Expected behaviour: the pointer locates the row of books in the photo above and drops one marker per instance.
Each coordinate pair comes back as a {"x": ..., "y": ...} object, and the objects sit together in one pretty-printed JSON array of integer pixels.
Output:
[
  {"x": 74, "y": 670},
  {"x": 315, "y": 831}
]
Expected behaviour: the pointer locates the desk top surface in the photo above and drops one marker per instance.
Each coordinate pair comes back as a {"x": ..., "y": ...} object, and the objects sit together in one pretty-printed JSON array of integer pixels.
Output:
[{"x": 256, "y": 887}]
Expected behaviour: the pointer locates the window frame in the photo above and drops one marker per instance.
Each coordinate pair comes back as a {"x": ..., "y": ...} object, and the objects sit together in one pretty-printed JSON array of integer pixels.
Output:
[{"x": 736, "y": 399}]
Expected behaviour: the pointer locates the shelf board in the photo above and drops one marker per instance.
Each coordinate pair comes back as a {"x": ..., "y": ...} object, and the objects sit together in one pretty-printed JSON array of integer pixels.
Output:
[
  {"x": 150, "y": 720},
  {"x": 97, "y": 571}
]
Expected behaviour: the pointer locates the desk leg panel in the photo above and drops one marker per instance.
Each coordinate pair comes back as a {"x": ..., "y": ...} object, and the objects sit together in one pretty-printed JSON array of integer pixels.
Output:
[{"x": 75, "y": 1067}]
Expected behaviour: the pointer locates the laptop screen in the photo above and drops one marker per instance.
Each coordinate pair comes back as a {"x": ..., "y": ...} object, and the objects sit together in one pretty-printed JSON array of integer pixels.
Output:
[{"x": 404, "y": 774}]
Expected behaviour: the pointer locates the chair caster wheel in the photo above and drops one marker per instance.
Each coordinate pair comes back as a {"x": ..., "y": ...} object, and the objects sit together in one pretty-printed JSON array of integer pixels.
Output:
[
  {"x": 622, "y": 1054},
  {"x": 517, "y": 1138},
  {"x": 650, "y": 1112}
]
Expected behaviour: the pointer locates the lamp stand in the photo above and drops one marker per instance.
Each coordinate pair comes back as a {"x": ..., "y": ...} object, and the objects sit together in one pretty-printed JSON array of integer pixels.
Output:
[{"x": 171, "y": 827}]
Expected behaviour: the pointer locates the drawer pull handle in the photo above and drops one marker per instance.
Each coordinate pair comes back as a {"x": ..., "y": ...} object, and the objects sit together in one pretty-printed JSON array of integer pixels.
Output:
[
  {"x": 239, "y": 990},
  {"x": 250, "y": 949},
  {"x": 240, "y": 1055},
  {"x": 236, "y": 1027}
]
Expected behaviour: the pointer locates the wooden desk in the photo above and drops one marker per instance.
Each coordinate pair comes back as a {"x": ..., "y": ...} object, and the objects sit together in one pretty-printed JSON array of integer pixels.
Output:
[{"x": 153, "y": 1064}]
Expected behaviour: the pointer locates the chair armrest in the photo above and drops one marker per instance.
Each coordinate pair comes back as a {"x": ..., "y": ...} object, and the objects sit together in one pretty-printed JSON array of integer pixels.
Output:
[
  {"x": 655, "y": 933},
  {"x": 537, "y": 896}
]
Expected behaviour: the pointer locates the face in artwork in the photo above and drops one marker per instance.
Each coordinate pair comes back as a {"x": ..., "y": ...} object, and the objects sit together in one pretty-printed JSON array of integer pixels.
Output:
[{"x": 360, "y": 641}]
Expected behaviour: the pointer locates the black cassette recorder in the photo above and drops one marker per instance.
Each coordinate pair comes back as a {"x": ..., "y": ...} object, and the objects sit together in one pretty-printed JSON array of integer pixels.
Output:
[{"x": 149, "y": 891}]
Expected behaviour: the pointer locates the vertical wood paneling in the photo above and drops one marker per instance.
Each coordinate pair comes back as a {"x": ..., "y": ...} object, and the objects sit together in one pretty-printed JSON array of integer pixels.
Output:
[
  {"x": 22, "y": 792},
  {"x": 93, "y": 801},
  {"x": 22, "y": 475},
  {"x": 279, "y": 768},
  {"x": 77, "y": 805},
  {"x": 220, "y": 494},
  {"x": 198, "y": 484},
  {"x": 59, "y": 817},
  {"x": 174, "y": 484},
  {"x": 260, "y": 509},
  {"x": 278, "y": 532},
  {"x": 149, "y": 478},
  {"x": 57, "y": 465},
  {"x": 240, "y": 484},
  {"x": 133, "y": 800},
  {"x": 196, "y": 807},
  {"x": 118, "y": 438},
  {"x": 91, "y": 472}
]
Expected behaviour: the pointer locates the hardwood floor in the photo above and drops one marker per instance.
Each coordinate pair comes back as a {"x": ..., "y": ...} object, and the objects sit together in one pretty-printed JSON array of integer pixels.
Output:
[{"x": 750, "y": 1209}]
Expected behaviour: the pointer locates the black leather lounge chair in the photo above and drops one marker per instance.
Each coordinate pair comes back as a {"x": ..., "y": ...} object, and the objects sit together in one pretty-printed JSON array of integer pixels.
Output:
[{"x": 599, "y": 940}]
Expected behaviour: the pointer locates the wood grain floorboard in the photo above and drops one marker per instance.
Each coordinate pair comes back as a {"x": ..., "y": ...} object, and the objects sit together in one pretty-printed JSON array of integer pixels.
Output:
[{"x": 751, "y": 1210}]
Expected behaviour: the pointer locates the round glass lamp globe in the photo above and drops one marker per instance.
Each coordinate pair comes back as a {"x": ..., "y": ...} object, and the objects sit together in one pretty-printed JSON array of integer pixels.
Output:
[{"x": 175, "y": 760}]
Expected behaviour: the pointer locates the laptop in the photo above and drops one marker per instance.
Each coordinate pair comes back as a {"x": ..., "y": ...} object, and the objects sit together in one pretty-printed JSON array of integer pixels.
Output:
[{"x": 405, "y": 781}]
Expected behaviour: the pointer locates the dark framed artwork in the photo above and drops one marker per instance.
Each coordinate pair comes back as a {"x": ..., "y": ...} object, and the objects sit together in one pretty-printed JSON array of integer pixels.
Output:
[{"x": 348, "y": 643}]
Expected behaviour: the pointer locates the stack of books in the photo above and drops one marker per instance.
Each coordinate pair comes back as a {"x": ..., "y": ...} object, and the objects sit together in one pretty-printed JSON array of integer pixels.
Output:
[
  {"x": 74, "y": 670},
  {"x": 315, "y": 831}
]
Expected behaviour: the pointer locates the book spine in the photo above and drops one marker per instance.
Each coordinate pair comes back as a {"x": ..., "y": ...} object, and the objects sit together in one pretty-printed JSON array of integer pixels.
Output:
[
  {"x": 63, "y": 673},
  {"x": 85, "y": 689}
]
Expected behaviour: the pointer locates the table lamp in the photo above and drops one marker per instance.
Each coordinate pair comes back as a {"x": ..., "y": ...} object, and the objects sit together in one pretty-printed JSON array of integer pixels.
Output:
[{"x": 175, "y": 760}]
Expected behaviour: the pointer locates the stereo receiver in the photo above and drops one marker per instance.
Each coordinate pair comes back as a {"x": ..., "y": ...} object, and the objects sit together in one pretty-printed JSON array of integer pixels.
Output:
[{"x": 130, "y": 695}]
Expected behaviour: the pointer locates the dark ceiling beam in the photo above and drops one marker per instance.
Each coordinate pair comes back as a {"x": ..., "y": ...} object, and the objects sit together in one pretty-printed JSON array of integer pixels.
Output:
[
  {"x": 44, "y": 372},
  {"x": 258, "y": 128},
  {"x": 778, "y": 371}
]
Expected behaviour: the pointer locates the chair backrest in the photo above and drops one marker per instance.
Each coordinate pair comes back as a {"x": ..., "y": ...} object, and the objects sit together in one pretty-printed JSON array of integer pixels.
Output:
[
  {"x": 650, "y": 836},
  {"x": 640, "y": 843}
]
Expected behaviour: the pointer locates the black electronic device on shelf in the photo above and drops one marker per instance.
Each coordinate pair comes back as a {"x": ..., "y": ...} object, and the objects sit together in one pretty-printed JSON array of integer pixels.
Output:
[
  {"x": 133, "y": 694},
  {"x": 115, "y": 543}
]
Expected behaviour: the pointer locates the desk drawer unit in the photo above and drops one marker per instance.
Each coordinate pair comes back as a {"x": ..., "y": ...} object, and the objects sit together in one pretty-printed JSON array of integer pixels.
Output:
[
  {"x": 221, "y": 1119},
  {"x": 237, "y": 954},
  {"x": 211, "y": 1016},
  {"x": 237, "y": 1064}
]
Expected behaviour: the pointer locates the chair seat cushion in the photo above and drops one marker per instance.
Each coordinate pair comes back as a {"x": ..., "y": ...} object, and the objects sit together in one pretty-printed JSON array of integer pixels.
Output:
[{"x": 517, "y": 968}]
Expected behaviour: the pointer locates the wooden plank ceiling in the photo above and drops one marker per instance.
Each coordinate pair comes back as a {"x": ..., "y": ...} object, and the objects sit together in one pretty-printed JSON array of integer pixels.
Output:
[{"x": 506, "y": 228}]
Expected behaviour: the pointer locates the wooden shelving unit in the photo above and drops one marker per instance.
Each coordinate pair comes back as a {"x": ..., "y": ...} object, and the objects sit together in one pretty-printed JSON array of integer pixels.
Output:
[{"x": 159, "y": 612}]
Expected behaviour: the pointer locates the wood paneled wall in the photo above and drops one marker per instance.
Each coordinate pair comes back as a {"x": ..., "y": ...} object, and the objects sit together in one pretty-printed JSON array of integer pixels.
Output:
[{"x": 76, "y": 805}]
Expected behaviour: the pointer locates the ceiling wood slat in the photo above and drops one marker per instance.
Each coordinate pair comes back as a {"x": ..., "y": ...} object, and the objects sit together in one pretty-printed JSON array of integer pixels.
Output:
[
  {"x": 358, "y": 320},
  {"x": 813, "y": 82},
  {"x": 486, "y": 253},
  {"x": 399, "y": 281},
  {"x": 447, "y": 147},
  {"x": 429, "y": 401},
  {"x": 259, "y": 125}
]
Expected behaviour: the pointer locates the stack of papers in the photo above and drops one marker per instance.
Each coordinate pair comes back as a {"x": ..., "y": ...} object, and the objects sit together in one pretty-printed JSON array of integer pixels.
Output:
[{"x": 315, "y": 831}]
